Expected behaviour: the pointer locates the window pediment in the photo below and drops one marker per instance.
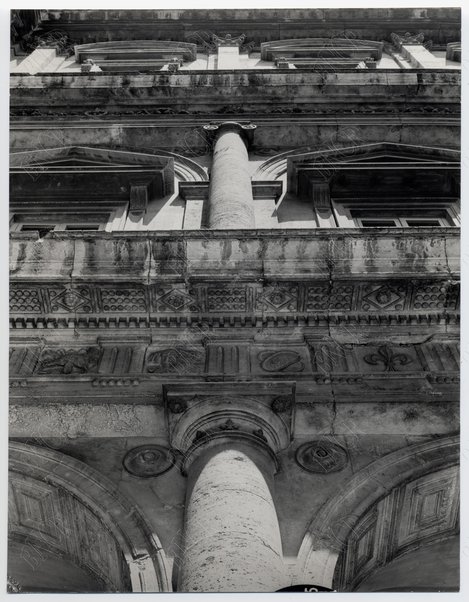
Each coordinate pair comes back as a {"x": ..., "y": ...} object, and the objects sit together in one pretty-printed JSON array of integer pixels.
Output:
[
  {"x": 89, "y": 175},
  {"x": 323, "y": 53},
  {"x": 376, "y": 171},
  {"x": 135, "y": 55}
]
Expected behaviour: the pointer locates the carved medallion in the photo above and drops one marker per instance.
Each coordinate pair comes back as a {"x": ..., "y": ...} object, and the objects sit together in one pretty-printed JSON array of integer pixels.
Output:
[
  {"x": 321, "y": 456},
  {"x": 281, "y": 404},
  {"x": 148, "y": 461}
]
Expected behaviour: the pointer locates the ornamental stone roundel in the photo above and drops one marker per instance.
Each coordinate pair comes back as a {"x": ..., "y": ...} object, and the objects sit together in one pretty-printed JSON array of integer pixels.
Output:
[
  {"x": 321, "y": 457},
  {"x": 148, "y": 461}
]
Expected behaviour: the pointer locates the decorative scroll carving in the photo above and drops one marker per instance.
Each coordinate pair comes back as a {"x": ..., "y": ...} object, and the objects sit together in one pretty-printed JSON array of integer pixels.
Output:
[
  {"x": 69, "y": 361},
  {"x": 321, "y": 456},
  {"x": 390, "y": 360},
  {"x": 148, "y": 461}
]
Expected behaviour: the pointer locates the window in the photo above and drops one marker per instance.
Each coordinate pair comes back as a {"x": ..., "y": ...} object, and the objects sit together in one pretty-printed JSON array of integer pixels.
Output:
[
  {"x": 58, "y": 222},
  {"x": 399, "y": 217},
  {"x": 378, "y": 223}
]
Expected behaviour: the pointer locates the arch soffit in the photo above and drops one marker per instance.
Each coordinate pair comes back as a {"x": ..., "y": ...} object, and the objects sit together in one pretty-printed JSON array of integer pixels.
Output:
[
  {"x": 367, "y": 487},
  {"x": 140, "y": 546}
]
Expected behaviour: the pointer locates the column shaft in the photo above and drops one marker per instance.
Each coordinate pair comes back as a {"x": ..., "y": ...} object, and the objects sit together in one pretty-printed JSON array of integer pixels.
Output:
[
  {"x": 230, "y": 195},
  {"x": 232, "y": 538}
]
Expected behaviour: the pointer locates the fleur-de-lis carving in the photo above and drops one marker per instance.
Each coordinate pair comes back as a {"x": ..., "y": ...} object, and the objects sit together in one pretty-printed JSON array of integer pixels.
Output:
[{"x": 388, "y": 358}]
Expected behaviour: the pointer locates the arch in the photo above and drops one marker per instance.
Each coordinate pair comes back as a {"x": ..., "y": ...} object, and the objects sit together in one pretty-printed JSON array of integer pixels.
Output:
[
  {"x": 49, "y": 471},
  {"x": 328, "y": 531}
]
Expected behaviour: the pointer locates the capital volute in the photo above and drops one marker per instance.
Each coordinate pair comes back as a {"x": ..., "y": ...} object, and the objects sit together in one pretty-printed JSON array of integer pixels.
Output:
[
  {"x": 202, "y": 415},
  {"x": 244, "y": 128}
]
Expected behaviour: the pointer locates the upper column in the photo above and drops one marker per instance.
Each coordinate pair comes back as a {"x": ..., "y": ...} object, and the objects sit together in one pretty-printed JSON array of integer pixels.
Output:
[{"x": 230, "y": 193}]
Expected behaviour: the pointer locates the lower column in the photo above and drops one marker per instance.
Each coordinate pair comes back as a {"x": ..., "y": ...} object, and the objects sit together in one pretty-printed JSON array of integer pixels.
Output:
[{"x": 232, "y": 538}]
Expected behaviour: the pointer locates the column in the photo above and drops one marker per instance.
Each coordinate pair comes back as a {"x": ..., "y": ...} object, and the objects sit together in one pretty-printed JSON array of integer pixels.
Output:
[
  {"x": 232, "y": 537},
  {"x": 230, "y": 192},
  {"x": 228, "y": 436}
]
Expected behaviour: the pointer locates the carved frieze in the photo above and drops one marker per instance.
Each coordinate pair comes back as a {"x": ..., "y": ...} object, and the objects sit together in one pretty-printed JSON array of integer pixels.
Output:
[{"x": 341, "y": 298}]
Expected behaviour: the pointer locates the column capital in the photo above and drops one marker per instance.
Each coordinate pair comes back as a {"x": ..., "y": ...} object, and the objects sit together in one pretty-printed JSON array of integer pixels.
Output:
[
  {"x": 203, "y": 415},
  {"x": 244, "y": 128}
]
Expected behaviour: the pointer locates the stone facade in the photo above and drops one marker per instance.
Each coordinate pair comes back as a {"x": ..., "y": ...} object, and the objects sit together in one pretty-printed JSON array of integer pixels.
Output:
[{"x": 234, "y": 300}]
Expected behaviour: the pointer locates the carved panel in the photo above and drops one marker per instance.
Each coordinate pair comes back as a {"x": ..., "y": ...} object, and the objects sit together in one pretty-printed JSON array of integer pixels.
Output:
[
  {"x": 429, "y": 506},
  {"x": 317, "y": 298},
  {"x": 175, "y": 299},
  {"x": 48, "y": 517},
  {"x": 389, "y": 359},
  {"x": 25, "y": 300},
  {"x": 433, "y": 296},
  {"x": 178, "y": 360},
  {"x": 70, "y": 300},
  {"x": 69, "y": 361},
  {"x": 282, "y": 360},
  {"x": 226, "y": 298},
  {"x": 278, "y": 298},
  {"x": 35, "y": 510},
  {"x": 123, "y": 299},
  {"x": 383, "y": 297}
]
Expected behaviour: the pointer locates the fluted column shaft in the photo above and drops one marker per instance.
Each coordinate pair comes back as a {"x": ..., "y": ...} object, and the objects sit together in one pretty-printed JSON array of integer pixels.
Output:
[
  {"x": 230, "y": 193},
  {"x": 232, "y": 538}
]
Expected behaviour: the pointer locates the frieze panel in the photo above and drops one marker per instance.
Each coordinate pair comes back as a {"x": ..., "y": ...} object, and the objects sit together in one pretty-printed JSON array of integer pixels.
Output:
[
  {"x": 123, "y": 300},
  {"x": 175, "y": 300},
  {"x": 226, "y": 298},
  {"x": 25, "y": 300},
  {"x": 70, "y": 300},
  {"x": 283, "y": 361},
  {"x": 178, "y": 360},
  {"x": 278, "y": 298},
  {"x": 69, "y": 361}
]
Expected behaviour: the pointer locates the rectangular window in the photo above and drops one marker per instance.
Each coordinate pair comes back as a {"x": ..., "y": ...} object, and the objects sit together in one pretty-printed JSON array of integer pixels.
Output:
[
  {"x": 422, "y": 222},
  {"x": 81, "y": 227},
  {"x": 378, "y": 223}
]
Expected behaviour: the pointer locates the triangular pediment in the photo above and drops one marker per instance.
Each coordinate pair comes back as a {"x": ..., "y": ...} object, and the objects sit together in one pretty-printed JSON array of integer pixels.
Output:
[{"x": 81, "y": 156}]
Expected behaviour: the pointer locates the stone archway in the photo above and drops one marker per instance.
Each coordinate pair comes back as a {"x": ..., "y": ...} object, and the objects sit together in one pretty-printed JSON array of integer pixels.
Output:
[
  {"x": 353, "y": 511},
  {"x": 61, "y": 508}
]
